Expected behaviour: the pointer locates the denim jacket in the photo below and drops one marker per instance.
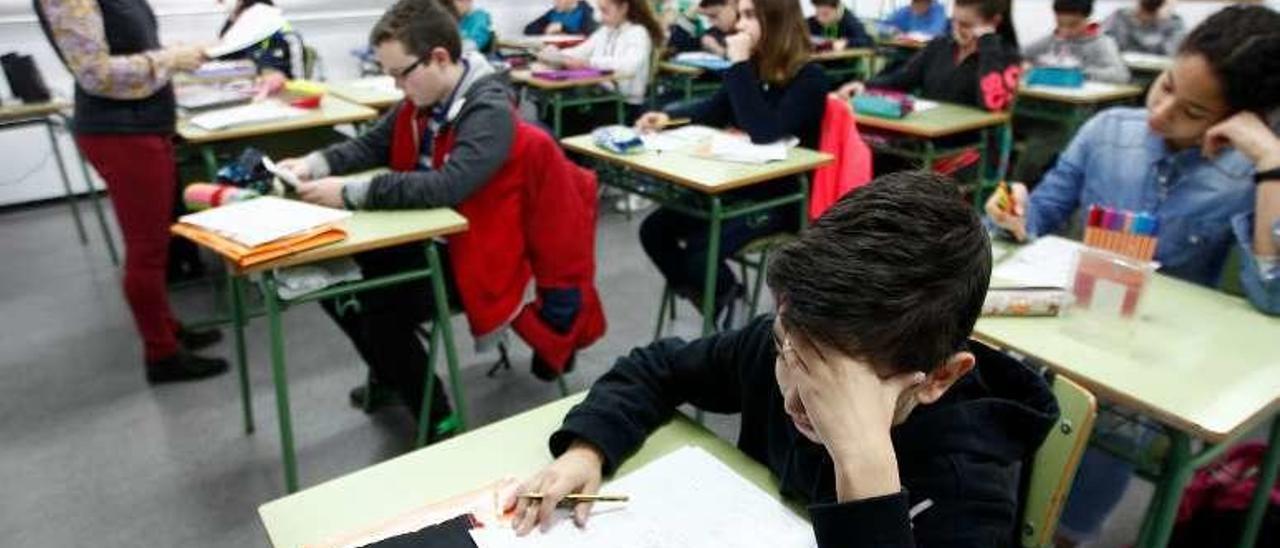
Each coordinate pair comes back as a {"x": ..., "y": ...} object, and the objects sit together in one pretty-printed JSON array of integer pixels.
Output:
[{"x": 1204, "y": 205}]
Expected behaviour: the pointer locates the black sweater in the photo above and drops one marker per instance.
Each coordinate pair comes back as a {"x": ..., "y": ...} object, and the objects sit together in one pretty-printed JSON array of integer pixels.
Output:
[
  {"x": 964, "y": 453},
  {"x": 934, "y": 74}
]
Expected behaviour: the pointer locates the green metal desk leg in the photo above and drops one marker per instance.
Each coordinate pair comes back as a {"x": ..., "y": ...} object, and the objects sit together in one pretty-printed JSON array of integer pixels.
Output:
[
  {"x": 1164, "y": 505},
  {"x": 562, "y": 385},
  {"x": 97, "y": 210},
  {"x": 1261, "y": 493},
  {"x": 557, "y": 108},
  {"x": 929, "y": 154},
  {"x": 713, "y": 268},
  {"x": 428, "y": 388},
  {"x": 622, "y": 120},
  {"x": 210, "y": 162},
  {"x": 238, "y": 322},
  {"x": 446, "y": 332},
  {"x": 983, "y": 137},
  {"x": 688, "y": 88},
  {"x": 282, "y": 384},
  {"x": 66, "y": 183}
]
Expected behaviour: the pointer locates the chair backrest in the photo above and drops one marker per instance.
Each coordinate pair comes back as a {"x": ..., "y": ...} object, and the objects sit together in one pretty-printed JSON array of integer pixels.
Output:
[{"x": 1054, "y": 466}]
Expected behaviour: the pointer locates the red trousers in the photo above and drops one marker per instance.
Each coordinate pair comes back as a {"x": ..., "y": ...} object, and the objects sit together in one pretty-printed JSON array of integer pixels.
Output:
[{"x": 141, "y": 180}]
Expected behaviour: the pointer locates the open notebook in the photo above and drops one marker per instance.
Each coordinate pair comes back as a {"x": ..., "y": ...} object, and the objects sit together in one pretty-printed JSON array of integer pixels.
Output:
[
  {"x": 687, "y": 498},
  {"x": 259, "y": 230},
  {"x": 252, "y": 113}
]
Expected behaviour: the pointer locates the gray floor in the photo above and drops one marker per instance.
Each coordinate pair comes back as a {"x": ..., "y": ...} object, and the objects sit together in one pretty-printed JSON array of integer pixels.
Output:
[{"x": 92, "y": 455}]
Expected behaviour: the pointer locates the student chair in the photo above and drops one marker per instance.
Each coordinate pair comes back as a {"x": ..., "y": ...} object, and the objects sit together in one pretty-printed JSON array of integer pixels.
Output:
[
  {"x": 1054, "y": 465},
  {"x": 304, "y": 59},
  {"x": 752, "y": 260}
]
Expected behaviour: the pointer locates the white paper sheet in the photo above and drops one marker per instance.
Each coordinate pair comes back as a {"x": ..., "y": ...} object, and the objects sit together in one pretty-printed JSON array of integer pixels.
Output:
[
  {"x": 921, "y": 105},
  {"x": 253, "y": 25},
  {"x": 253, "y": 113},
  {"x": 679, "y": 139},
  {"x": 1087, "y": 90},
  {"x": 687, "y": 499},
  {"x": 1047, "y": 262},
  {"x": 737, "y": 148},
  {"x": 263, "y": 220}
]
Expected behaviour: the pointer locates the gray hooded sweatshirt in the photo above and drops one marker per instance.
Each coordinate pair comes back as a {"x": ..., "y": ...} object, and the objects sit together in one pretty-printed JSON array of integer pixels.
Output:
[
  {"x": 1096, "y": 53},
  {"x": 484, "y": 127}
]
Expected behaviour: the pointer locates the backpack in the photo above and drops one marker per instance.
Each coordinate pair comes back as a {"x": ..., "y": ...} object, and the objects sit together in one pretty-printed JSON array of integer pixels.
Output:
[{"x": 1213, "y": 506}]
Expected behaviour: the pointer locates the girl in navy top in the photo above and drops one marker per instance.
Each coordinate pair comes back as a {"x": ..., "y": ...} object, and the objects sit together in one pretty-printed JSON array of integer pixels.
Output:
[{"x": 771, "y": 92}]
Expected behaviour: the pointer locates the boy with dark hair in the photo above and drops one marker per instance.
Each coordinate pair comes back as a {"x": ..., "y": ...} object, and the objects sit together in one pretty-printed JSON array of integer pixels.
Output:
[
  {"x": 863, "y": 395},
  {"x": 831, "y": 20},
  {"x": 456, "y": 141},
  {"x": 1079, "y": 41},
  {"x": 1151, "y": 27}
]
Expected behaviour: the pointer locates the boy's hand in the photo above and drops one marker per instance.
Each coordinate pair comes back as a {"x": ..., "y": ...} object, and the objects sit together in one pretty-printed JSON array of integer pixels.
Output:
[
  {"x": 852, "y": 410},
  {"x": 652, "y": 121},
  {"x": 849, "y": 90},
  {"x": 1249, "y": 134},
  {"x": 578, "y": 470},
  {"x": 296, "y": 166},
  {"x": 1012, "y": 216},
  {"x": 839, "y": 44},
  {"x": 553, "y": 28},
  {"x": 326, "y": 192}
]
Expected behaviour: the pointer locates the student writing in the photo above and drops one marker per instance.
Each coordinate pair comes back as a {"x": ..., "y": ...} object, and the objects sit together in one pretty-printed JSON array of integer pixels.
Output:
[
  {"x": 771, "y": 92},
  {"x": 862, "y": 395}
]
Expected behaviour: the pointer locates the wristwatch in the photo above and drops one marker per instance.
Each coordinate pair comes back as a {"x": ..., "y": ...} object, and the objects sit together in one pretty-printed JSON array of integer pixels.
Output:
[{"x": 1268, "y": 175}]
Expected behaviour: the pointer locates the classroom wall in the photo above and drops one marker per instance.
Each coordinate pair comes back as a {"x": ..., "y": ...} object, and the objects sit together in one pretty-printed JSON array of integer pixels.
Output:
[{"x": 334, "y": 27}]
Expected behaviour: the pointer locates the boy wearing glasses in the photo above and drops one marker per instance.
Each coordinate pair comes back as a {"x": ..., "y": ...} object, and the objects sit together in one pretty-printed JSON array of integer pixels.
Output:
[
  {"x": 444, "y": 142},
  {"x": 863, "y": 394}
]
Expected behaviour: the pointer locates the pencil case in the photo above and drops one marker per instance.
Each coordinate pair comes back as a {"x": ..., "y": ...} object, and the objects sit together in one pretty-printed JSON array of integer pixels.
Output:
[
  {"x": 883, "y": 104},
  {"x": 618, "y": 139},
  {"x": 1061, "y": 77},
  {"x": 570, "y": 74},
  {"x": 1025, "y": 302}
]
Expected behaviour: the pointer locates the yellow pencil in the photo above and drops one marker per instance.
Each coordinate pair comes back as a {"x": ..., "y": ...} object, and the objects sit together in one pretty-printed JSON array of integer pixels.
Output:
[
  {"x": 673, "y": 122},
  {"x": 577, "y": 497}
]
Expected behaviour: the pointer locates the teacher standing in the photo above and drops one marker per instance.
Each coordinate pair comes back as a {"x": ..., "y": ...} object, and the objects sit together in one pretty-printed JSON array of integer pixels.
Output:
[{"x": 124, "y": 125}]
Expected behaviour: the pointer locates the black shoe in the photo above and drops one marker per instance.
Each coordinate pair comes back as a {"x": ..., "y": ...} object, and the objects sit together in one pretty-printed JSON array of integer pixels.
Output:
[
  {"x": 382, "y": 396},
  {"x": 195, "y": 340},
  {"x": 184, "y": 366},
  {"x": 543, "y": 370}
]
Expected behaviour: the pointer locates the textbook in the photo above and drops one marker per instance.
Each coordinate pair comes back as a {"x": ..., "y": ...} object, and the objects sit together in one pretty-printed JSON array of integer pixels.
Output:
[{"x": 262, "y": 229}]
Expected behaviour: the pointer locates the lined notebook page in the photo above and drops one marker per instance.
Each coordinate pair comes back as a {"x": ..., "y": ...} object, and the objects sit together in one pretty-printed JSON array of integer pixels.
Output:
[{"x": 687, "y": 499}]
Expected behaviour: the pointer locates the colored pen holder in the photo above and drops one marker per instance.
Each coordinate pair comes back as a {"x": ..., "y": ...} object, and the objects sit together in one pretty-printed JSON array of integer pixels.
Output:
[
  {"x": 883, "y": 104},
  {"x": 1062, "y": 77},
  {"x": 1109, "y": 285}
]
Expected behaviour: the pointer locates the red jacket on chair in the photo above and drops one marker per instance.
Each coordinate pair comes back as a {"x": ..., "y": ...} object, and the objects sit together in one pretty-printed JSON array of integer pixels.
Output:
[
  {"x": 534, "y": 219},
  {"x": 852, "y": 167}
]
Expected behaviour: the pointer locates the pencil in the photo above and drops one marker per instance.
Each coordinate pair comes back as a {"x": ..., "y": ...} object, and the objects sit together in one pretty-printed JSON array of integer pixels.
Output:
[
  {"x": 1002, "y": 197},
  {"x": 576, "y": 497},
  {"x": 673, "y": 122}
]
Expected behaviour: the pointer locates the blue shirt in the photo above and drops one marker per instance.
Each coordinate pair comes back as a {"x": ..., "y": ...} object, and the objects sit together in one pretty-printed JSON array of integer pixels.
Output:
[
  {"x": 477, "y": 27},
  {"x": 1204, "y": 206},
  {"x": 933, "y": 22}
]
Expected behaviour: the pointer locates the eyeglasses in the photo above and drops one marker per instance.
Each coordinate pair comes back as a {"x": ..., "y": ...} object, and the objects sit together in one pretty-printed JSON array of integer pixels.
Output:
[{"x": 401, "y": 74}]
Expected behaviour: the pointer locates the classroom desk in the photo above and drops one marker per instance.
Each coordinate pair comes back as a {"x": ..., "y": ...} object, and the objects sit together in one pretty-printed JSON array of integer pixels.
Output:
[
  {"x": 944, "y": 120},
  {"x": 376, "y": 92},
  {"x": 333, "y": 111},
  {"x": 1145, "y": 66},
  {"x": 696, "y": 189},
  {"x": 516, "y": 446},
  {"x": 1201, "y": 362},
  {"x": 558, "y": 94},
  {"x": 846, "y": 64},
  {"x": 1070, "y": 107},
  {"x": 366, "y": 230},
  {"x": 50, "y": 114},
  {"x": 686, "y": 78}
]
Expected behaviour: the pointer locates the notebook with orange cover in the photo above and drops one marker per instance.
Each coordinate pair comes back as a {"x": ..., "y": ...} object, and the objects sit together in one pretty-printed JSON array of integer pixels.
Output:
[{"x": 263, "y": 229}]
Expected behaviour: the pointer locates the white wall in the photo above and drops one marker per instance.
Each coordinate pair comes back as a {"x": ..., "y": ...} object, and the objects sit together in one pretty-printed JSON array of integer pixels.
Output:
[{"x": 334, "y": 27}]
